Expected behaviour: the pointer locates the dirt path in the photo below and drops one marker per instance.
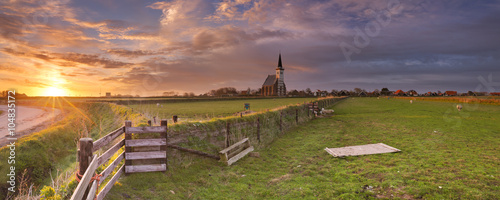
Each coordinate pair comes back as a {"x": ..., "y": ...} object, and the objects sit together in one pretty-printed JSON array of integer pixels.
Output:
[{"x": 28, "y": 120}]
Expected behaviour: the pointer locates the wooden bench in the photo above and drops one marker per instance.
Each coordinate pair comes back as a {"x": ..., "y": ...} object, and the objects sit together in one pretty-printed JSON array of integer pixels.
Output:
[{"x": 235, "y": 152}]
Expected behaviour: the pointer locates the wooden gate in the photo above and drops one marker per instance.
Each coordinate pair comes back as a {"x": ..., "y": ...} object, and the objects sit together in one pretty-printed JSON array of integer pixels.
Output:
[{"x": 156, "y": 154}]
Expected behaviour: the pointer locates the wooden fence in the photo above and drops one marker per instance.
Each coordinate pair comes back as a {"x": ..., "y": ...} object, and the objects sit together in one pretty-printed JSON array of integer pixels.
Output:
[
  {"x": 90, "y": 181},
  {"x": 88, "y": 162}
]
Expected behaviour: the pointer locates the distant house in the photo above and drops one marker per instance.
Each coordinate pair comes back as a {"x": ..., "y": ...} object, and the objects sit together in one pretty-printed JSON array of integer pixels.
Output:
[
  {"x": 450, "y": 93},
  {"x": 495, "y": 93},
  {"x": 399, "y": 93},
  {"x": 412, "y": 93},
  {"x": 108, "y": 94},
  {"x": 344, "y": 93},
  {"x": 431, "y": 94},
  {"x": 244, "y": 92},
  {"x": 362, "y": 94},
  {"x": 471, "y": 93}
]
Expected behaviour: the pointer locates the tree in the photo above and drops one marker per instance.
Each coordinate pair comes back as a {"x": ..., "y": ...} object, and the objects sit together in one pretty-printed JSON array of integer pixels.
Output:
[
  {"x": 293, "y": 92},
  {"x": 308, "y": 91},
  {"x": 169, "y": 93},
  {"x": 224, "y": 91},
  {"x": 358, "y": 90}
]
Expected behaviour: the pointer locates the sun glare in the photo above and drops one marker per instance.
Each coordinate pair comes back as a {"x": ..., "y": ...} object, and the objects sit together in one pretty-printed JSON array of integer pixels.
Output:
[{"x": 54, "y": 91}]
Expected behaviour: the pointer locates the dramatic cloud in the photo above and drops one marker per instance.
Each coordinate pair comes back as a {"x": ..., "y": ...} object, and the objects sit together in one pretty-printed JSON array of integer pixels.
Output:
[{"x": 146, "y": 47}]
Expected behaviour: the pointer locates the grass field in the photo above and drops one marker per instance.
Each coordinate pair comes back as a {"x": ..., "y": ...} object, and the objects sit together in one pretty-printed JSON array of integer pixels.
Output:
[
  {"x": 446, "y": 154},
  {"x": 206, "y": 110}
]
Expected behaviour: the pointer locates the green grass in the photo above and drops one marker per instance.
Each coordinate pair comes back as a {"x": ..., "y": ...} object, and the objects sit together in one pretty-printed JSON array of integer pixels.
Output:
[
  {"x": 206, "y": 110},
  {"x": 446, "y": 154}
]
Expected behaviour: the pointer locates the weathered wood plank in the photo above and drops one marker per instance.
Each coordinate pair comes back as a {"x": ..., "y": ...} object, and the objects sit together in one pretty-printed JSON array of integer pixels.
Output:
[
  {"x": 92, "y": 191},
  {"x": 111, "y": 167},
  {"x": 145, "y": 155},
  {"x": 145, "y": 168},
  {"x": 110, "y": 184},
  {"x": 84, "y": 182},
  {"x": 237, "y": 150},
  {"x": 146, "y": 129},
  {"x": 240, "y": 155},
  {"x": 146, "y": 142},
  {"x": 107, "y": 139},
  {"x": 110, "y": 152},
  {"x": 233, "y": 146},
  {"x": 148, "y": 148}
]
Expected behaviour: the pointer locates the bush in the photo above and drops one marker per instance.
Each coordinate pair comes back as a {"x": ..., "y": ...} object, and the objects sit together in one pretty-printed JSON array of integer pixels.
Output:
[{"x": 48, "y": 193}]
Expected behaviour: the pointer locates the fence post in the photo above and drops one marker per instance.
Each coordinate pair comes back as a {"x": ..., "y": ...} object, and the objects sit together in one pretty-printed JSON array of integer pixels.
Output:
[
  {"x": 307, "y": 110},
  {"x": 149, "y": 122},
  {"x": 128, "y": 136},
  {"x": 297, "y": 116},
  {"x": 164, "y": 122},
  {"x": 258, "y": 129},
  {"x": 281, "y": 121},
  {"x": 314, "y": 110},
  {"x": 228, "y": 126},
  {"x": 85, "y": 154}
]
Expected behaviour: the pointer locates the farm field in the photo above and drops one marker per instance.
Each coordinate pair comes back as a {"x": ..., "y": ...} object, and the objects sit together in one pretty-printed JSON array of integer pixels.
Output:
[
  {"x": 445, "y": 154},
  {"x": 206, "y": 110}
]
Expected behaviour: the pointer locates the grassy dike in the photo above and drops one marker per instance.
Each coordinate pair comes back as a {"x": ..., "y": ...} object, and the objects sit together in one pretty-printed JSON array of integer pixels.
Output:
[
  {"x": 44, "y": 155},
  {"x": 206, "y": 110},
  {"x": 446, "y": 154}
]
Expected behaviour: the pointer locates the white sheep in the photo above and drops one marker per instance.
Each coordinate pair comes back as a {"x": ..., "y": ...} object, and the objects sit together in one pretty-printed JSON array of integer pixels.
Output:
[
  {"x": 326, "y": 111},
  {"x": 157, "y": 104},
  {"x": 459, "y": 107},
  {"x": 411, "y": 101}
]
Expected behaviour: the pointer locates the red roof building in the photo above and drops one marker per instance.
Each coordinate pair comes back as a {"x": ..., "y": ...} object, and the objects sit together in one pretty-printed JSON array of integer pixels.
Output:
[
  {"x": 450, "y": 93},
  {"x": 399, "y": 92}
]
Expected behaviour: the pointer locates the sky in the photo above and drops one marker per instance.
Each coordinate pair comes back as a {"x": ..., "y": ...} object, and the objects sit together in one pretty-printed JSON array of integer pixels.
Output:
[{"x": 144, "y": 47}]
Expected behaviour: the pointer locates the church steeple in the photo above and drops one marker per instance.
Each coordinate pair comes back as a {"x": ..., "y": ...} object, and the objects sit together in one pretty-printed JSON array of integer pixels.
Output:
[{"x": 280, "y": 66}]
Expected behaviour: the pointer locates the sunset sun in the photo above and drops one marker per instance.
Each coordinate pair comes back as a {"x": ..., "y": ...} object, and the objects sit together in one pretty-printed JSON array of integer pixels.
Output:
[{"x": 54, "y": 91}]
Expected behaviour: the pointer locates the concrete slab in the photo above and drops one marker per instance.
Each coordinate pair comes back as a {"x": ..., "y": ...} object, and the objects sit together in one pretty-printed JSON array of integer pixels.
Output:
[{"x": 361, "y": 150}]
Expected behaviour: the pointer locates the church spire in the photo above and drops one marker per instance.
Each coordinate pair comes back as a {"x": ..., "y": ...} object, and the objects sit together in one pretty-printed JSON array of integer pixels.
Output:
[{"x": 280, "y": 66}]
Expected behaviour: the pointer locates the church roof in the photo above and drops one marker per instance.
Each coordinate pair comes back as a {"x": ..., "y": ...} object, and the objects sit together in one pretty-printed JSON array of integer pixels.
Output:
[{"x": 269, "y": 80}]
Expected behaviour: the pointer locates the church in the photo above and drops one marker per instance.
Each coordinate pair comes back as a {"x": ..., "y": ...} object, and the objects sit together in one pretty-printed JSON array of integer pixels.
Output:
[{"x": 275, "y": 84}]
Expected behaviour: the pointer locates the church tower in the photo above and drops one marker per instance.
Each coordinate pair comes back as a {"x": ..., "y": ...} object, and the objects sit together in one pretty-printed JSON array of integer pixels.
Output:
[{"x": 280, "y": 77}]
